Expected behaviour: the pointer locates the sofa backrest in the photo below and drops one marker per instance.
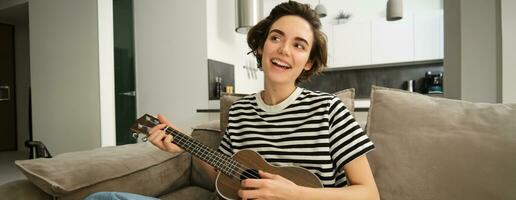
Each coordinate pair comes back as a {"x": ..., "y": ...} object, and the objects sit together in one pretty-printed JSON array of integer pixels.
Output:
[{"x": 436, "y": 148}]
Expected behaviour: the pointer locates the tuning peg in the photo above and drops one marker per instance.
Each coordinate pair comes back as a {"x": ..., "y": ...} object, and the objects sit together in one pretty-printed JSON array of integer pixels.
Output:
[
  {"x": 144, "y": 138},
  {"x": 135, "y": 135}
]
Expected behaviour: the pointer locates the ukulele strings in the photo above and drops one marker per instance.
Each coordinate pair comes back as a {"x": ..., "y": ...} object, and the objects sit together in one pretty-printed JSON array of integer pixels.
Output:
[
  {"x": 238, "y": 166},
  {"x": 244, "y": 169}
]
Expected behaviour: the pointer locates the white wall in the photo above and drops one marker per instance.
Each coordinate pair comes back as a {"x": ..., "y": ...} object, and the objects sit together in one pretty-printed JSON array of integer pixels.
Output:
[
  {"x": 362, "y": 10},
  {"x": 452, "y": 50},
  {"x": 106, "y": 65},
  {"x": 479, "y": 50},
  {"x": 474, "y": 69},
  {"x": 65, "y": 67},
  {"x": 171, "y": 60},
  {"x": 226, "y": 45},
  {"x": 508, "y": 17}
]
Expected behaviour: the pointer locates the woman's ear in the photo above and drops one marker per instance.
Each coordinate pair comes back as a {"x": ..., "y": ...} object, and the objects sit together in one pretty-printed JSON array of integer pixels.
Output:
[
  {"x": 308, "y": 65},
  {"x": 259, "y": 51}
]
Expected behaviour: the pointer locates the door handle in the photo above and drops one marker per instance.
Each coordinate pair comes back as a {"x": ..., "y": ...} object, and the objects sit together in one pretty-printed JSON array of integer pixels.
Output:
[
  {"x": 130, "y": 93},
  {"x": 5, "y": 93}
]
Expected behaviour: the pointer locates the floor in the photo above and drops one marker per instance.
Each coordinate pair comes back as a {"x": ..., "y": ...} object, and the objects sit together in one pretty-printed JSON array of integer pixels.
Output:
[{"x": 9, "y": 171}]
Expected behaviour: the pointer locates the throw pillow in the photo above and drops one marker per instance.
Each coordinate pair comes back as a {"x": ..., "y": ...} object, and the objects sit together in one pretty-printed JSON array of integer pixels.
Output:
[
  {"x": 437, "y": 148},
  {"x": 225, "y": 103},
  {"x": 120, "y": 168},
  {"x": 347, "y": 97}
]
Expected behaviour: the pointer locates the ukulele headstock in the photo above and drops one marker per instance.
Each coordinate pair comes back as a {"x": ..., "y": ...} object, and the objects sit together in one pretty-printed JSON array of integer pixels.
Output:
[{"x": 142, "y": 126}]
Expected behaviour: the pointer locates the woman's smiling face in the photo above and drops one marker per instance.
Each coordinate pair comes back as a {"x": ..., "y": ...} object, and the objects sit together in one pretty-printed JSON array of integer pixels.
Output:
[{"x": 286, "y": 51}]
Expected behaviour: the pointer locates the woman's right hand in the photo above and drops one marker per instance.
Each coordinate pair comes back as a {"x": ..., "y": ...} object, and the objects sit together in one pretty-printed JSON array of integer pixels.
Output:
[{"x": 160, "y": 139}]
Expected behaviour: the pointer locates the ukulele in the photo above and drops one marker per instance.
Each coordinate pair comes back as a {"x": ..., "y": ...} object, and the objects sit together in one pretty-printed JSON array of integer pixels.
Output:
[{"x": 231, "y": 170}]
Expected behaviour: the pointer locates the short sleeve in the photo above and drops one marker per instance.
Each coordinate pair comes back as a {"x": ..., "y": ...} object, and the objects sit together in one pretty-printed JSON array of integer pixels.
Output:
[{"x": 347, "y": 139}]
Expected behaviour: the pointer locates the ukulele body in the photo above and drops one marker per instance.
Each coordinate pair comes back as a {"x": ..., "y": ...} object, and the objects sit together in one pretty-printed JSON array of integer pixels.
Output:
[{"x": 227, "y": 187}]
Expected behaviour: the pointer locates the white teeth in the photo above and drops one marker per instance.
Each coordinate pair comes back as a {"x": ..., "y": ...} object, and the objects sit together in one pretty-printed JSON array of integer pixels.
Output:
[{"x": 282, "y": 64}]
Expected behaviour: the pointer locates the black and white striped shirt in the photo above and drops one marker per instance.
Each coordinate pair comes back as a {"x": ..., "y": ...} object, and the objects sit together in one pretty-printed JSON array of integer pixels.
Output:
[{"x": 313, "y": 130}]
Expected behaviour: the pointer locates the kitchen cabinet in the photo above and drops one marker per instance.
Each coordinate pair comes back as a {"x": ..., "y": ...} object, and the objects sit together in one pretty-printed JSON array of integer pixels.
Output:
[
  {"x": 440, "y": 19},
  {"x": 328, "y": 31},
  {"x": 427, "y": 36},
  {"x": 352, "y": 44},
  {"x": 416, "y": 37},
  {"x": 392, "y": 41}
]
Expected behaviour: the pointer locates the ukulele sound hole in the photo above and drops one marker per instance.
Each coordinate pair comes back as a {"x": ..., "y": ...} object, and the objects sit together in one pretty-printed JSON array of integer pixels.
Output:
[{"x": 249, "y": 173}]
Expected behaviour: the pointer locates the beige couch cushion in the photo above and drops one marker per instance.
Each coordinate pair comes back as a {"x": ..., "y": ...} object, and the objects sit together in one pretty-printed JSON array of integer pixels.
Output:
[
  {"x": 77, "y": 171},
  {"x": 436, "y": 148},
  {"x": 22, "y": 190},
  {"x": 209, "y": 135},
  {"x": 190, "y": 193},
  {"x": 225, "y": 103},
  {"x": 347, "y": 96}
]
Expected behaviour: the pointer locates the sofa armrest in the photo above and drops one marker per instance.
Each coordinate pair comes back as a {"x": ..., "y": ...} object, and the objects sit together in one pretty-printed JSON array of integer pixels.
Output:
[
  {"x": 138, "y": 168},
  {"x": 22, "y": 190},
  {"x": 210, "y": 135}
]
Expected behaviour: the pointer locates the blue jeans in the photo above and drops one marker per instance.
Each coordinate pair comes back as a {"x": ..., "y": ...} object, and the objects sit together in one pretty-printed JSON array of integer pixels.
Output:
[{"x": 117, "y": 196}]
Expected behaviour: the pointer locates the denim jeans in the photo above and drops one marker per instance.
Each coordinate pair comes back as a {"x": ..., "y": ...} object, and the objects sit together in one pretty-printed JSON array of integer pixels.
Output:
[{"x": 118, "y": 196}]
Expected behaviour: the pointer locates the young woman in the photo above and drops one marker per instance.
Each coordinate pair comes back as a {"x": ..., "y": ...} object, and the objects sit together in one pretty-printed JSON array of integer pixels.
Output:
[{"x": 291, "y": 126}]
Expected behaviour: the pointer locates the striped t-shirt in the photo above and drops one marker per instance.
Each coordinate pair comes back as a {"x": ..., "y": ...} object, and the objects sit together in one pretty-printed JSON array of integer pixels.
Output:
[{"x": 313, "y": 130}]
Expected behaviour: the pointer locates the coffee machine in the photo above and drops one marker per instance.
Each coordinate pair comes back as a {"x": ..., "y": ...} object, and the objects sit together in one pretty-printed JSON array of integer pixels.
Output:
[{"x": 434, "y": 82}]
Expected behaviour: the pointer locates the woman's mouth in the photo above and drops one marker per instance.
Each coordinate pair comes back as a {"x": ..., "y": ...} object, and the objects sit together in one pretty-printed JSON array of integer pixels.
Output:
[{"x": 281, "y": 64}]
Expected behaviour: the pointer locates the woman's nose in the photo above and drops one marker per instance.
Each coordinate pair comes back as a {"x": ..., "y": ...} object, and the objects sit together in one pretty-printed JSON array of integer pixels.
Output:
[{"x": 284, "y": 49}]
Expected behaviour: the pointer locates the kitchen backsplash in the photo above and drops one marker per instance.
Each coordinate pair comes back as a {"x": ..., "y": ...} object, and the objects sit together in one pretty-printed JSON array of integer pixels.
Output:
[{"x": 362, "y": 79}]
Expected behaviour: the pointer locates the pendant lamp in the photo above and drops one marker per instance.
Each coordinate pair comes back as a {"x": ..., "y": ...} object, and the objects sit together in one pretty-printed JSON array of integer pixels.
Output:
[
  {"x": 394, "y": 10},
  {"x": 320, "y": 10},
  {"x": 248, "y": 13}
]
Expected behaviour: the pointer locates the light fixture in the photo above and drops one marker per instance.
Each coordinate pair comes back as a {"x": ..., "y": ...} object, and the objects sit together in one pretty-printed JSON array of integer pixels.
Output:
[
  {"x": 394, "y": 10},
  {"x": 320, "y": 10},
  {"x": 248, "y": 13}
]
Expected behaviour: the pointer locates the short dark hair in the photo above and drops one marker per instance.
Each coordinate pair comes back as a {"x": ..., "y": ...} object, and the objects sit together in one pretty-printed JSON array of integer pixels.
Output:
[{"x": 257, "y": 35}]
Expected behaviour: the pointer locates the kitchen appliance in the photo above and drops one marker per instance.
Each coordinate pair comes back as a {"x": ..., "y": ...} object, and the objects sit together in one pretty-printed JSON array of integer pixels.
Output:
[
  {"x": 410, "y": 85},
  {"x": 434, "y": 82}
]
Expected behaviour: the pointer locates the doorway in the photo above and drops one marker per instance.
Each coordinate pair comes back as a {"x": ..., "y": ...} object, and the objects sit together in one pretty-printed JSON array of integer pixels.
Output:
[
  {"x": 7, "y": 90},
  {"x": 125, "y": 87}
]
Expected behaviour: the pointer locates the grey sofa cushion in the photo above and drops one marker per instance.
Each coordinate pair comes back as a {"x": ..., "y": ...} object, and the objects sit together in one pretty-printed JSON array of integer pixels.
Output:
[
  {"x": 347, "y": 97},
  {"x": 22, "y": 190},
  {"x": 138, "y": 168},
  {"x": 190, "y": 193},
  {"x": 436, "y": 148},
  {"x": 208, "y": 134},
  {"x": 225, "y": 103}
]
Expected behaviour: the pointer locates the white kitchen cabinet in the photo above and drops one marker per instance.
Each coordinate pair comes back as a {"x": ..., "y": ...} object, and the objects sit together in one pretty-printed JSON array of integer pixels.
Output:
[
  {"x": 440, "y": 19},
  {"x": 392, "y": 41},
  {"x": 416, "y": 37},
  {"x": 352, "y": 44},
  {"x": 428, "y": 36},
  {"x": 328, "y": 31}
]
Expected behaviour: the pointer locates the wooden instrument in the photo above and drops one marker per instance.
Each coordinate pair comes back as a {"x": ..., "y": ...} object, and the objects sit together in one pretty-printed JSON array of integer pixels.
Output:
[{"x": 231, "y": 170}]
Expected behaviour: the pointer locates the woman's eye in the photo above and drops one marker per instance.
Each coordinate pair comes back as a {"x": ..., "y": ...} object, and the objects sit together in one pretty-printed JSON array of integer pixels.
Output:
[
  {"x": 275, "y": 38},
  {"x": 299, "y": 46}
]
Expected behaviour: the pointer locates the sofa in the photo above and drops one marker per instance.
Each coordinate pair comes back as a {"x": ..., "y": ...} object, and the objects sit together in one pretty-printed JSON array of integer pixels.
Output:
[{"x": 426, "y": 148}]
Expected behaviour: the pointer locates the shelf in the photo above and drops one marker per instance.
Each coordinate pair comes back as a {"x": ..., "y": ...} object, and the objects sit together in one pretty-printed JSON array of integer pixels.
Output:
[
  {"x": 208, "y": 110},
  {"x": 398, "y": 64}
]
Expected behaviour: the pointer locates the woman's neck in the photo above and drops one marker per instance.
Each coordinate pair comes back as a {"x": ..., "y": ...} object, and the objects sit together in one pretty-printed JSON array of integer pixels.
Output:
[{"x": 273, "y": 95}]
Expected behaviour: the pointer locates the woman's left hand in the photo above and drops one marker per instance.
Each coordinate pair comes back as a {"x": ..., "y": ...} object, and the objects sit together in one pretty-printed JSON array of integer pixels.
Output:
[{"x": 270, "y": 186}]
